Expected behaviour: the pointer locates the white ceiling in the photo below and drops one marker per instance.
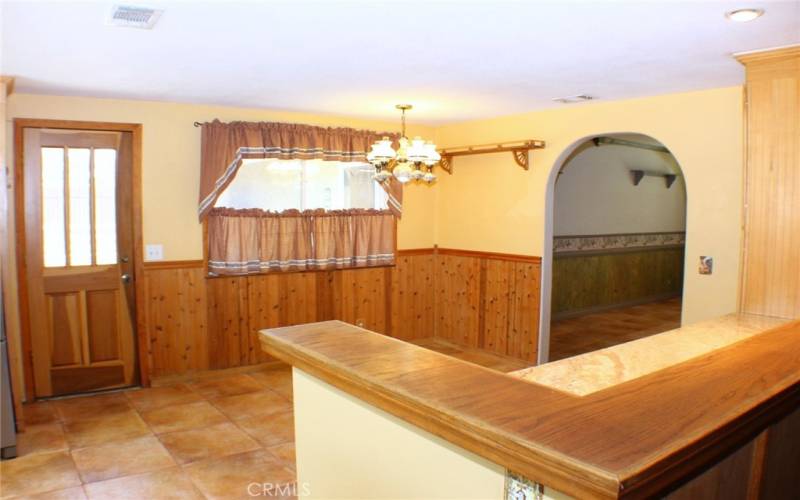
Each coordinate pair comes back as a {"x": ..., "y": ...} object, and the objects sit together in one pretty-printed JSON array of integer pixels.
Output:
[{"x": 452, "y": 60}]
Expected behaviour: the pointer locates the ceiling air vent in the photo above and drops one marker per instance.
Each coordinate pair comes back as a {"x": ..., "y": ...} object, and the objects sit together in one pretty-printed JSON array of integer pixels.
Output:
[
  {"x": 573, "y": 99},
  {"x": 130, "y": 16}
]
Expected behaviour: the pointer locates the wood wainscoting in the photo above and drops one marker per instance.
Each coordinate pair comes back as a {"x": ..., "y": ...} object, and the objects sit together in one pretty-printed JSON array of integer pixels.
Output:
[
  {"x": 475, "y": 299},
  {"x": 587, "y": 283},
  {"x": 489, "y": 301}
]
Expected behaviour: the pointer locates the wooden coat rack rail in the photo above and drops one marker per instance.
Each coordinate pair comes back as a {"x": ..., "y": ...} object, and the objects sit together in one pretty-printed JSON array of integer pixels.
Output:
[{"x": 518, "y": 149}]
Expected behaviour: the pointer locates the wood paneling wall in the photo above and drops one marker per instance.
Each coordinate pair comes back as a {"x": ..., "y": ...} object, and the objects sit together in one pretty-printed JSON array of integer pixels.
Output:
[
  {"x": 489, "y": 301},
  {"x": 585, "y": 283},
  {"x": 197, "y": 323},
  {"x": 771, "y": 249}
]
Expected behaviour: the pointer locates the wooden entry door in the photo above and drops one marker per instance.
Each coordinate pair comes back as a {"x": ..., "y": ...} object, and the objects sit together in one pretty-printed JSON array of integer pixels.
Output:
[{"x": 79, "y": 259}]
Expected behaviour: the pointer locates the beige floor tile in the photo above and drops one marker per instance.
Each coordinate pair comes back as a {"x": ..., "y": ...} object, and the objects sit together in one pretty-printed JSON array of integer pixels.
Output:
[
  {"x": 159, "y": 397},
  {"x": 81, "y": 408},
  {"x": 38, "y": 473},
  {"x": 74, "y": 493},
  {"x": 167, "y": 484},
  {"x": 286, "y": 453},
  {"x": 121, "y": 458},
  {"x": 270, "y": 430},
  {"x": 42, "y": 438},
  {"x": 183, "y": 417},
  {"x": 102, "y": 430},
  {"x": 275, "y": 379},
  {"x": 40, "y": 412},
  {"x": 252, "y": 404},
  {"x": 225, "y": 386},
  {"x": 208, "y": 442},
  {"x": 242, "y": 475}
]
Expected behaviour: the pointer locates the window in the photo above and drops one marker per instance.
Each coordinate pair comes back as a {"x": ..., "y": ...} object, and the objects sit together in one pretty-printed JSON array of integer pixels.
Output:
[
  {"x": 255, "y": 225},
  {"x": 79, "y": 206},
  {"x": 277, "y": 185}
]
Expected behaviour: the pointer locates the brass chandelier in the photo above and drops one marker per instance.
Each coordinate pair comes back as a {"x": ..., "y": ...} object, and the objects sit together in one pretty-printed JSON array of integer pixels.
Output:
[{"x": 413, "y": 161}]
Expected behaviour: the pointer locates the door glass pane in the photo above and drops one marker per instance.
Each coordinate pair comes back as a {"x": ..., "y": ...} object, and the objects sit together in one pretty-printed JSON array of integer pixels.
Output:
[
  {"x": 55, "y": 250},
  {"x": 105, "y": 206},
  {"x": 80, "y": 213}
]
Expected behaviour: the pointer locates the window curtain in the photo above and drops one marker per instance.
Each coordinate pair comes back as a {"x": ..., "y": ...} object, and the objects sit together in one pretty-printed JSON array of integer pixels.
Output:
[
  {"x": 255, "y": 241},
  {"x": 225, "y": 145}
]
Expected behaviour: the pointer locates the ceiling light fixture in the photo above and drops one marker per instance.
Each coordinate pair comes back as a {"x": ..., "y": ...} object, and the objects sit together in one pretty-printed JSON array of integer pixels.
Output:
[
  {"x": 744, "y": 15},
  {"x": 413, "y": 160}
]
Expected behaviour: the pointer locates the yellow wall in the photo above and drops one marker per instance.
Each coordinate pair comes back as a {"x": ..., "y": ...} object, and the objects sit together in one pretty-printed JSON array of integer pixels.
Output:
[
  {"x": 491, "y": 204},
  {"x": 171, "y": 160}
]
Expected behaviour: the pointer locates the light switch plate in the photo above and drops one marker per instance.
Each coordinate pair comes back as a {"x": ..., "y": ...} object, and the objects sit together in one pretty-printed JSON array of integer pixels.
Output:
[
  {"x": 154, "y": 252},
  {"x": 706, "y": 265}
]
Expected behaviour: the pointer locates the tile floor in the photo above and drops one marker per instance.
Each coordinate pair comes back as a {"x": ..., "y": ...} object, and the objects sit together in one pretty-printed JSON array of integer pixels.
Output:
[{"x": 204, "y": 438}]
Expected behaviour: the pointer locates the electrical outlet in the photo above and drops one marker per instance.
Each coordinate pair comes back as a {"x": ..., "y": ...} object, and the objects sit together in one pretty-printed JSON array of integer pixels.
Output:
[
  {"x": 154, "y": 252},
  {"x": 518, "y": 487}
]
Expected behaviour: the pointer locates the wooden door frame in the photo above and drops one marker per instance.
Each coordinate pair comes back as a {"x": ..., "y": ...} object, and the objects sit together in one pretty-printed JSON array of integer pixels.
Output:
[{"x": 138, "y": 247}]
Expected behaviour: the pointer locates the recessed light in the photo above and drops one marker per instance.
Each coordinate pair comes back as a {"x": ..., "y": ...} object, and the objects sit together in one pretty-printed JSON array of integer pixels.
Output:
[{"x": 744, "y": 15}]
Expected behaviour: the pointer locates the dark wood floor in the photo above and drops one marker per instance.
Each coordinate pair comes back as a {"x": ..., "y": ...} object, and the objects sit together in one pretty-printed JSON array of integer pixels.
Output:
[{"x": 570, "y": 337}]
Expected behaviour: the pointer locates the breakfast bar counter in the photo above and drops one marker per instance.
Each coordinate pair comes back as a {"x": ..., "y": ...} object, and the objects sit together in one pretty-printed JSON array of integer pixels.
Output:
[{"x": 657, "y": 416}]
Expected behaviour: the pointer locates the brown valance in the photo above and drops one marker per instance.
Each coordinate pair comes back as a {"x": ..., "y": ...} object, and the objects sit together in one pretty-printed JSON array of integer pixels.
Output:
[
  {"x": 225, "y": 145},
  {"x": 251, "y": 241}
]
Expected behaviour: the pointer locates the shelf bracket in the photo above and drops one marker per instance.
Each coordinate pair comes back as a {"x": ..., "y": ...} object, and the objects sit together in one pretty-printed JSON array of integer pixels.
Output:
[
  {"x": 446, "y": 162},
  {"x": 638, "y": 175}
]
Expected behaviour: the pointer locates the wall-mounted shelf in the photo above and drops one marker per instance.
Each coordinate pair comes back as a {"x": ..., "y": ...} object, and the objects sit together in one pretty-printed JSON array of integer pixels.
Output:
[
  {"x": 613, "y": 141},
  {"x": 638, "y": 175},
  {"x": 518, "y": 149}
]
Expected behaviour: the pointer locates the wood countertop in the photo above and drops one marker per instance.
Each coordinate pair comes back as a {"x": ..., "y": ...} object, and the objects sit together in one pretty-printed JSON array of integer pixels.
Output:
[
  {"x": 597, "y": 370},
  {"x": 634, "y": 439}
]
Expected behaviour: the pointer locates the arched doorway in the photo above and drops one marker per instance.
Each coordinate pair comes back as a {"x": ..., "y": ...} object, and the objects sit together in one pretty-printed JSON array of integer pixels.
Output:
[{"x": 613, "y": 259}]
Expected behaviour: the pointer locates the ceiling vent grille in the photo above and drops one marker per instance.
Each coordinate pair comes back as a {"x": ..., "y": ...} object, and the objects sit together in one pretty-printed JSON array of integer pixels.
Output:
[
  {"x": 573, "y": 99},
  {"x": 134, "y": 17}
]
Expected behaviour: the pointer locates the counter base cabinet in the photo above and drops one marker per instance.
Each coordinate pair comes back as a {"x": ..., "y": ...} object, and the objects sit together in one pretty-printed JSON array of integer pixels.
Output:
[
  {"x": 347, "y": 448},
  {"x": 768, "y": 468}
]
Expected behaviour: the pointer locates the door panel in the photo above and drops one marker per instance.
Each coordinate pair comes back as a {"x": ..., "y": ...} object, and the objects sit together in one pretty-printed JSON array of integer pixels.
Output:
[
  {"x": 77, "y": 250},
  {"x": 65, "y": 329},
  {"x": 102, "y": 307}
]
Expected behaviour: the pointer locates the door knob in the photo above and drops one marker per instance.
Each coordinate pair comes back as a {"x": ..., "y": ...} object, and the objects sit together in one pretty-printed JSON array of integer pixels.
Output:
[{"x": 126, "y": 278}]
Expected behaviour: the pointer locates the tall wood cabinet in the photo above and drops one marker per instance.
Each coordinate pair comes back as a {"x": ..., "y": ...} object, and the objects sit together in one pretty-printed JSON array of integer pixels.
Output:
[{"x": 771, "y": 246}]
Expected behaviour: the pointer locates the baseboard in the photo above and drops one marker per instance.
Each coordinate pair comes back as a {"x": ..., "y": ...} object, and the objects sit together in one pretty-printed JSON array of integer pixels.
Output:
[{"x": 617, "y": 305}]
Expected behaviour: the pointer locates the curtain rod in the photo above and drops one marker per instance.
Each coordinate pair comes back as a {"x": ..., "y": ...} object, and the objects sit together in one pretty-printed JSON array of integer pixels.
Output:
[{"x": 197, "y": 124}]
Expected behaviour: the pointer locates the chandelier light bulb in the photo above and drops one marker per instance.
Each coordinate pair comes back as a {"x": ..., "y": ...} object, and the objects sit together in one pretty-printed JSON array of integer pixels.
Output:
[
  {"x": 402, "y": 172},
  {"x": 407, "y": 161}
]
